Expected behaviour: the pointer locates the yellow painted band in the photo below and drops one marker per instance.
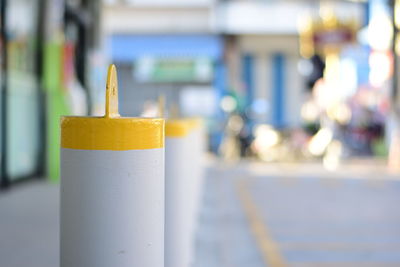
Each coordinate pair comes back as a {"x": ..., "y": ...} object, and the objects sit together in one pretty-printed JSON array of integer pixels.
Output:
[
  {"x": 194, "y": 122},
  {"x": 177, "y": 128},
  {"x": 100, "y": 133},
  {"x": 181, "y": 127},
  {"x": 269, "y": 248}
]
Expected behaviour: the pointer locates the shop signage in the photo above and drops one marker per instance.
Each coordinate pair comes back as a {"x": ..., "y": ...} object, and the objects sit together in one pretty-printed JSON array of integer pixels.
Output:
[{"x": 173, "y": 70}]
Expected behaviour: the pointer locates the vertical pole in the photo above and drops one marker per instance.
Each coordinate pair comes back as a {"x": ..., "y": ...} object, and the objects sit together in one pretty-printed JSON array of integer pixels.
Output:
[
  {"x": 220, "y": 87},
  {"x": 4, "y": 182},
  {"x": 42, "y": 129},
  {"x": 248, "y": 71},
  {"x": 395, "y": 60},
  {"x": 394, "y": 149},
  {"x": 161, "y": 106},
  {"x": 278, "y": 99}
]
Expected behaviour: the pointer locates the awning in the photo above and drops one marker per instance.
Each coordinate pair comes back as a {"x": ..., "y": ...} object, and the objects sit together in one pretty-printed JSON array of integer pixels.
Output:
[{"x": 127, "y": 48}]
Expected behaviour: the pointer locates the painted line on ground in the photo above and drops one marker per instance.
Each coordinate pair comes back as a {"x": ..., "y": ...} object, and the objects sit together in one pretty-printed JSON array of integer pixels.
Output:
[{"x": 269, "y": 249}]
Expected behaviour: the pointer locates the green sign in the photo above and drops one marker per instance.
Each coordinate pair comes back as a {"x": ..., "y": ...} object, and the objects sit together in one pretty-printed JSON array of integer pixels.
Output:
[{"x": 166, "y": 70}]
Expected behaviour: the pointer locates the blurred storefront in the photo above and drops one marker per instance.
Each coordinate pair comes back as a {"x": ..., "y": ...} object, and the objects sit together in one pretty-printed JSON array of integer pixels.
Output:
[
  {"x": 266, "y": 67},
  {"x": 167, "y": 48},
  {"x": 315, "y": 74},
  {"x": 171, "y": 65},
  {"x": 326, "y": 91},
  {"x": 45, "y": 49},
  {"x": 22, "y": 110},
  {"x": 351, "y": 106},
  {"x": 311, "y": 78}
]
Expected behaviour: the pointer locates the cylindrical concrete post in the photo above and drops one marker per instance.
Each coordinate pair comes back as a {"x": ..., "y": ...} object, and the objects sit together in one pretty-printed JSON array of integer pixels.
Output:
[
  {"x": 195, "y": 160},
  {"x": 199, "y": 149},
  {"x": 177, "y": 194},
  {"x": 112, "y": 189},
  {"x": 183, "y": 179}
]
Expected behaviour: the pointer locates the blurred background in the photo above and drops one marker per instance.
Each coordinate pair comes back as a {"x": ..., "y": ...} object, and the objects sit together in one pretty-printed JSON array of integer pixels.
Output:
[{"x": 300, "y": 99}]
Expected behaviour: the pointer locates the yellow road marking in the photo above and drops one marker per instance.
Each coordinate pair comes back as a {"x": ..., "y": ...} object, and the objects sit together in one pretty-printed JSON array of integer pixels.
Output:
[{"x": 268, "y": 247}]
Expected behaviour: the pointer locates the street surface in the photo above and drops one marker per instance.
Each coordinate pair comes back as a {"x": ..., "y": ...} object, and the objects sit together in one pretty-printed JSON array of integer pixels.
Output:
[
  {"x": 256, "y": 216},
  {"x": 253, "y": 215}
]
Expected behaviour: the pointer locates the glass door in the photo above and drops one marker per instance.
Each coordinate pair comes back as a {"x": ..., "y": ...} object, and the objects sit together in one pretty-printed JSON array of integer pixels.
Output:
[{"x": 23, "y": 98}]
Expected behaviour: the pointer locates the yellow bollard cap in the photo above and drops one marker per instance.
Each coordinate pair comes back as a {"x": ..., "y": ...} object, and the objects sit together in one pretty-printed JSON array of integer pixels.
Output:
[
  {"x": 177, "y": 128},
  {"x": 194, "y": 123},
  {"x": 181, "y": 127},
  {"x": 111, "y": 132}
]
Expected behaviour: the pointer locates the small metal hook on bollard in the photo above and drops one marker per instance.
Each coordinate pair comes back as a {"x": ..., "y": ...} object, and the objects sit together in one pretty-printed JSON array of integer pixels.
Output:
[{"x": 112, "y": 93}]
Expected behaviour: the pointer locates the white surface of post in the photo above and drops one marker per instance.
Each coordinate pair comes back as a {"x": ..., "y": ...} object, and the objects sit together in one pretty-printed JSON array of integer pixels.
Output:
[
  {"x": 112, "y": 208},
  {"x": 197, "y": 141},
  {"x": 178, "y": 202},
  {"x": 183, "y": 176}
]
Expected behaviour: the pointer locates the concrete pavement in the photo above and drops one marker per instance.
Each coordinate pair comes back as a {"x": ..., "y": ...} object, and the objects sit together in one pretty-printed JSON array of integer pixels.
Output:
[
  {"x": 252, "y": 215},
  {"x": 29, "y": 225},
  {"x": 276, "y": 219}
]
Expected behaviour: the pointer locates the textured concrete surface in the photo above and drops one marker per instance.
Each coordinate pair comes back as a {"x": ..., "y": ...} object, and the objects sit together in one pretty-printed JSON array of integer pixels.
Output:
[
  {"x": 313, "y": 220},
  {"x": 252, "y": 216},
  {"x": 29, "y": 225}
]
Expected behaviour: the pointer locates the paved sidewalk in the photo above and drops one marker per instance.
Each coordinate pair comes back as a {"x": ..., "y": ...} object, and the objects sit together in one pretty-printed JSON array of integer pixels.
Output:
[
  {"x": 29, "y": 225},
  {"x": 253, "y": 215}
]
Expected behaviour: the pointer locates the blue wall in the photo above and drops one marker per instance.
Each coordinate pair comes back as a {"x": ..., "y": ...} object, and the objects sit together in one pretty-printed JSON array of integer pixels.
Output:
[{"x": 127, "y": 48}]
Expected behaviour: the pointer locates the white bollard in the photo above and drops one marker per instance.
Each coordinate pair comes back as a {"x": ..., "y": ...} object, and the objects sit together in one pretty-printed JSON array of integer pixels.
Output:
[
  {"x": 177, "y": 194},
  {"x": 197, "y": 141},
  {"x": 112, "y": 189},
  {"x": 183, "y": 182}
]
